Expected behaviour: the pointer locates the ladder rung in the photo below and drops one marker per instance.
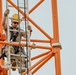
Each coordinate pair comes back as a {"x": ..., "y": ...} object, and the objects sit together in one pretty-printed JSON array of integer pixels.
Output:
[
  {"x": 9, "y": 66},
  {"x": 23, "y": 7},
  {"x": 10, "y": 6},
  {"x": 19, "y": 7},
  {"x": 18, "y": 67},
  {"x": 18, "y": 55}
]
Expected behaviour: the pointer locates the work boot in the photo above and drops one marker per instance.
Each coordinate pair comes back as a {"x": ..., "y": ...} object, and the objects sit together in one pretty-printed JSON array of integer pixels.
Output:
[
  {"x": 23, "y": 65},
  {"x": 13, "y": 64},
  {"x": 21, "y": 71}
]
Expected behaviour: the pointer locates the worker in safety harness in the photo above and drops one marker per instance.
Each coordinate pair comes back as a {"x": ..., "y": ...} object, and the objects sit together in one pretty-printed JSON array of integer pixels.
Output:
[{"x": 14, "y": 37}]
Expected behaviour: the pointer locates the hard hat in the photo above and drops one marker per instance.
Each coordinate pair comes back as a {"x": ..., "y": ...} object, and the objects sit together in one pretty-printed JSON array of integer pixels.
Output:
[{"x": 15, "y": 18}]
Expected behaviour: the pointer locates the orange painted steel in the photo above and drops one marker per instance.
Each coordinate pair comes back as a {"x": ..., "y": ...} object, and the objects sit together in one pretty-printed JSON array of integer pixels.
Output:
[
  {"x": 1, "y": 31},
  {"x": 37, "y": 40},
  {"x": 42, "y": 63},
  {"x": 2, "y": 36},
  {"x": 56, "y": 37},
  {"x": 53, "y": 51},
  {"x": 55, "y": 20},
  {"x": 36, "y": 6},
  {"x": 3, "y": 71},
  {"x": 32, "y": 9},
  {"x": 36, "y": 25},
  {"x": 40, "y": 55},
  {"x": 36, "y": 64},
  {"x": 24, "y": 45}
]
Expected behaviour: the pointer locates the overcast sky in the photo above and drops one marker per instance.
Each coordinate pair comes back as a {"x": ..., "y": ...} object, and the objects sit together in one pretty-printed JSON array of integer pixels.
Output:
[{"x": 67, "y": 29}]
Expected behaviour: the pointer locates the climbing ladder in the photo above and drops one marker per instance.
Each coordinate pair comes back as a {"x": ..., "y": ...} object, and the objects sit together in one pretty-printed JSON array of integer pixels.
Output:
[{"x": 24, "y": 8}]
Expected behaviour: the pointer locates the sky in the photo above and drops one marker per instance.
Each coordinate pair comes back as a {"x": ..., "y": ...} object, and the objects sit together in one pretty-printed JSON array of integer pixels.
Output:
[{"x": 67, "y": 21}]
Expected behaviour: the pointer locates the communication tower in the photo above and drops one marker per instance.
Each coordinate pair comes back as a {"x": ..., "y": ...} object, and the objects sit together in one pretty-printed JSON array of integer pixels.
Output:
[{"x": 53, "y": 50}]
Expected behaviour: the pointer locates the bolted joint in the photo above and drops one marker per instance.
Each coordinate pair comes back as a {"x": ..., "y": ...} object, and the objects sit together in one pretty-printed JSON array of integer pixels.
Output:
[
  {"x": 34, "y": 45},
  {"x": 57, "y": 45}
]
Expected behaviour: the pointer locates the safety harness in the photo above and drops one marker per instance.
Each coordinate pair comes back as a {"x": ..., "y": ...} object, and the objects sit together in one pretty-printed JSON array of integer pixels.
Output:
[
  {"x": 13, "y": 39},
  {"x": 3, "y": 53},
  {"x": 13, "y": 34}
]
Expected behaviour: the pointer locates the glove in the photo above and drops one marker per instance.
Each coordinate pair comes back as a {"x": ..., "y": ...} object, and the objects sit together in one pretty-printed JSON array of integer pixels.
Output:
[
  {"x": 29, "y": 28},
  {"x": 6, "y": 12}
]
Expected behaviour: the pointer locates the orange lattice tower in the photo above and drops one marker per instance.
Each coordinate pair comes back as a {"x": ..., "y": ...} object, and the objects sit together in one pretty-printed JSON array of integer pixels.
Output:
[
  {"x": 2, "y": 38},
  {"x": 53, "y": 50}
]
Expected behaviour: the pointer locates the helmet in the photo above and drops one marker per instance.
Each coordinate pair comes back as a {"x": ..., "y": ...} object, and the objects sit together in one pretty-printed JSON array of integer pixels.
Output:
[{"x": 15, "y": 18}]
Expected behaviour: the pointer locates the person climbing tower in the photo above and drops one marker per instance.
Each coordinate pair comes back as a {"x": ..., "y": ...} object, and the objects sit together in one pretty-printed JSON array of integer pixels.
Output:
[{"x": 14, "y": 37}]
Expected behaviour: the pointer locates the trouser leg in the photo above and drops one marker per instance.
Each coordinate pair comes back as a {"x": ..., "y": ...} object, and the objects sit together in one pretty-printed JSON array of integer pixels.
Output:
[{"x": 21, "y": 64}]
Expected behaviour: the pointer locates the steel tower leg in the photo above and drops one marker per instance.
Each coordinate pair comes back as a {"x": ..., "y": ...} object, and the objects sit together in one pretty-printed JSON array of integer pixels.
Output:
[{"x": 2, "y": 38}]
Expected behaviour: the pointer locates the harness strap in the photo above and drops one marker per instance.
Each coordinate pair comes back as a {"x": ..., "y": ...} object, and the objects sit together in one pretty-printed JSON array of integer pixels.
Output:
[
  {"x": 13, "y": 38},
  {"x": 13, "y": 35},
  {"x": 3, "y": 54},
  {"x": 17, "y": 49}
]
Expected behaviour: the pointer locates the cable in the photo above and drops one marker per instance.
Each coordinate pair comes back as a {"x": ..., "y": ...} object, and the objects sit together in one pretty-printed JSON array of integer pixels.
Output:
[
  {"x": 19, "y": 38},
  {"x": 26, "y": 35}
]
